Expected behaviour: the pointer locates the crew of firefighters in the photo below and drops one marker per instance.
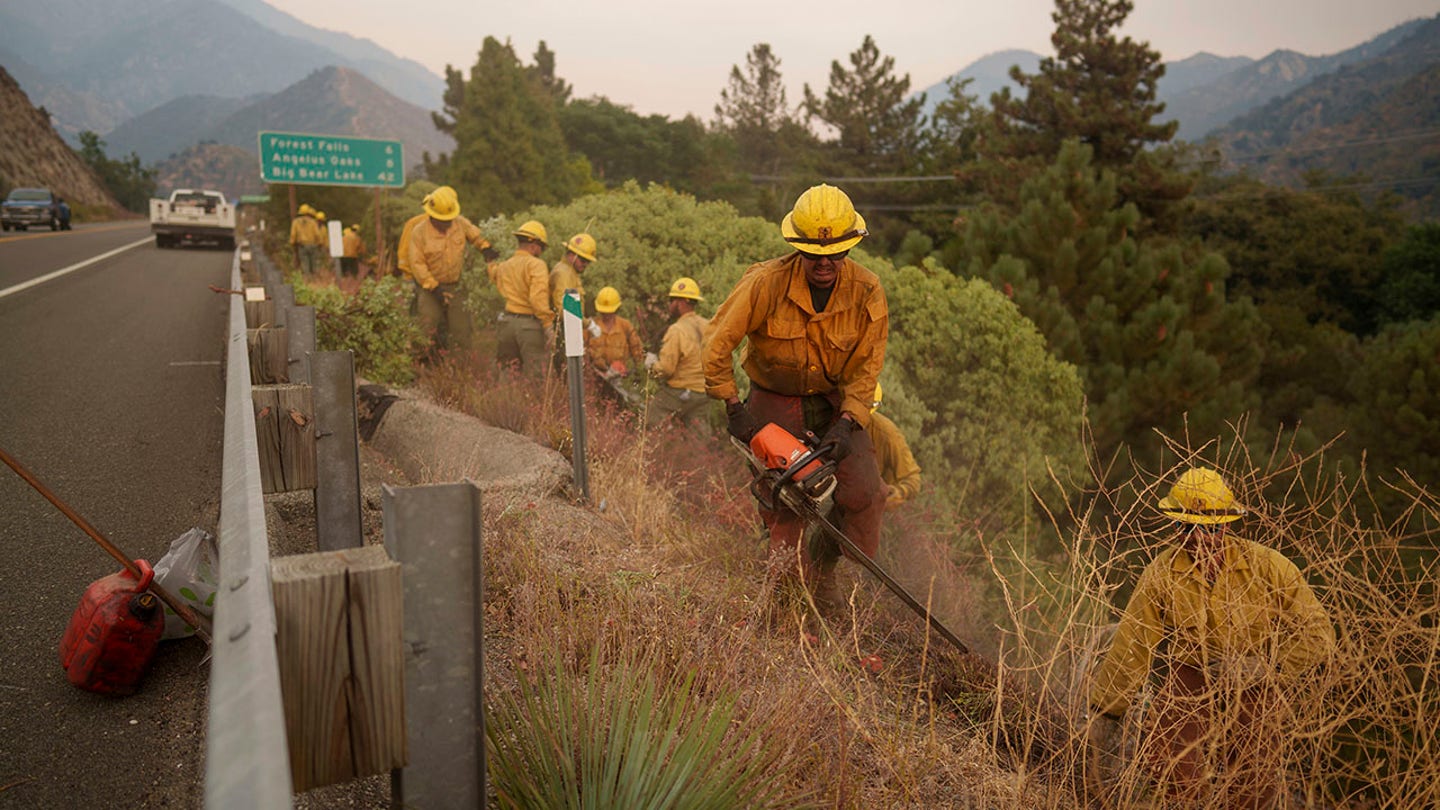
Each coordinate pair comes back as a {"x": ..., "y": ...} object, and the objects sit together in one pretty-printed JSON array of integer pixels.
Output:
[{"x": 813, "y": 325}]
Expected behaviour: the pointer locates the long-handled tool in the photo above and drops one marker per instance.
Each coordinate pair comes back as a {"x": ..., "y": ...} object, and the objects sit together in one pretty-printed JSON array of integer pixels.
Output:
[
  {"x": 184, "y": 611},
  {"x": 799, "y": 476}
]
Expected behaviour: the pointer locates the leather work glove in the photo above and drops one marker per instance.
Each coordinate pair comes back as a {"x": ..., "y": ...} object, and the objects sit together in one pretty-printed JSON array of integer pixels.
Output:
[
  {"x": 741, "y": 424},
  {"x": 837, "y": 438},
  {"x": 489, "y": 254},
  {"x": 651, "y": 359},
  {"x": 430, "y": 285}
]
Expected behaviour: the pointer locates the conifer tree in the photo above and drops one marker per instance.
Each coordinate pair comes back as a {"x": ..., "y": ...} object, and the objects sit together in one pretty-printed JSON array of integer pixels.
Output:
[
  {"x": 509, "y": 150},
  {"x": 1099, "y": 88},
  {"x": 769, "y": 138},
  {"x": 878, "y": 126},
  {"x": 1146, "y": 321}
]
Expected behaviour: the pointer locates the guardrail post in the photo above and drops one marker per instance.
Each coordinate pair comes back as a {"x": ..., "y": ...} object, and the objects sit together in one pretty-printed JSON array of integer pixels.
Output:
[
  {"x": 301, "y": 332},
  {"x": 337, "y": 451},
  {"x": 434, "y": 532}
]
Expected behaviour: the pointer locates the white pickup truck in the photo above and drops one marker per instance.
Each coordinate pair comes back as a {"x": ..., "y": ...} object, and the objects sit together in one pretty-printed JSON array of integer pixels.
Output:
[{"x": 193, "y": 215}]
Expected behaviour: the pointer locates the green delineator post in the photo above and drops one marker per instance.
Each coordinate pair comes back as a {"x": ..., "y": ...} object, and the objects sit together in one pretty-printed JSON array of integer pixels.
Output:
[{"x": 331, "y": 160}]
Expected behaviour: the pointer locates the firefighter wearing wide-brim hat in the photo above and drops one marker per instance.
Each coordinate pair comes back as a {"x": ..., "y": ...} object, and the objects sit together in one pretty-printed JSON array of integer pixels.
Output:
[
  {"x": 1224, "y": 622},
  {"x": 437, "y": 257},
  {"x": 527, "y": 321},
  {"x": 817, "y": 323},
  {"x": 681, "y": 393}
]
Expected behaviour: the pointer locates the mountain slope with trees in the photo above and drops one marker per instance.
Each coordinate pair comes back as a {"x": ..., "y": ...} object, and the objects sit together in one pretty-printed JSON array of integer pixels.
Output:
[{"x": 32, "y": 154}]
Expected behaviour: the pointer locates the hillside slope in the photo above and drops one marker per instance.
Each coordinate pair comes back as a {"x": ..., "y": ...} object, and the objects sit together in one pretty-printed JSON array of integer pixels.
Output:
[{"x": 32, "y": 154}]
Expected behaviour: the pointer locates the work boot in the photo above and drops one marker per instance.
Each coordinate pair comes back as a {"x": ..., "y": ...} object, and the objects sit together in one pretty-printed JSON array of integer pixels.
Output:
[{"x": 827, "y": 594}]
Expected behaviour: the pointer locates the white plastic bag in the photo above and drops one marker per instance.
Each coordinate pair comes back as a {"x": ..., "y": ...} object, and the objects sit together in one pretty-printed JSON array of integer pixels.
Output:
[{"x": 191, "y": 571}]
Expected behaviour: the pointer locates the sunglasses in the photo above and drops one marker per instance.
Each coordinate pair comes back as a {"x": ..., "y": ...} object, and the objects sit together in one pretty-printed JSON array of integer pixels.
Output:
[{"x": 815, "y": 257}]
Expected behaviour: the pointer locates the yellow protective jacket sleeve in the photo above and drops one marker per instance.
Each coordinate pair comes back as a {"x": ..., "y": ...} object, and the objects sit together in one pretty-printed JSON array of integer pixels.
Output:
[
  {"x": 893, "y": 457},
  {"x": 402, "y": 251},
  {"x": 304, "y": 230},
  {"x": 351, "y": 244},
  {"x": 1259, "y": 607},
  {"x": 794, "y": 350},
  {"x": 563, "y": 277},
  {"x": 524, "y": 283},
  {"x": 680, "y": 353},
  {"x": 438, "y": 258},
  {"x": 619, "y": 341}
]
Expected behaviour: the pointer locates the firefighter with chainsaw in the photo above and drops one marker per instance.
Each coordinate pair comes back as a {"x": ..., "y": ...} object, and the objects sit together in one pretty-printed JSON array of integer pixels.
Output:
[
  {"x": 1222, "y": 624},
  {"x": 527, "y": 321},
  {"x": 437, "y": 255},
  {"x": 892, "y": 455},
  {"x": 817, "y": 323},
  {"x": 612, "y": 346},
  {"x": 681, "y": 393}
]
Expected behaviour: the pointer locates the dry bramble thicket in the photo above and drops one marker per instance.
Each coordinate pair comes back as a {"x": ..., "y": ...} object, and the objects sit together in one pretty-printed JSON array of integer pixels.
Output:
[{"x": 636, "y": 657}]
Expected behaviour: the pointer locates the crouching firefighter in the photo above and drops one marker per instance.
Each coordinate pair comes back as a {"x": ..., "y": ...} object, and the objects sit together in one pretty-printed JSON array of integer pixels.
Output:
[{"x": 817, "y": 324}]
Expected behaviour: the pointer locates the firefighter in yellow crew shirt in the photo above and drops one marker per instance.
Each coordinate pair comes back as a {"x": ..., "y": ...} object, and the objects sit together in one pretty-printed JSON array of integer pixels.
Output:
[
  {"x": 437, "y": 256},
  {"x": 350, "y": 256},
  {"x": 402, "y": 248},
  {"x": 1222, "y": 624},
  {"x": 816, "y": 323},
  {"x": 893, "y": 457},
  {"x": 565, "y": 275},
  {"x": 681, "y": 393},
  {"x": 306, "y": 237},
  {"x": 612, "y": 346},
  {"x": 527, "y": 321}
]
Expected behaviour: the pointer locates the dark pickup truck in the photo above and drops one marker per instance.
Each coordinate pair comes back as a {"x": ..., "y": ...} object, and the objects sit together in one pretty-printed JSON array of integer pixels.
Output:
[{"x": 29, "y": 206}]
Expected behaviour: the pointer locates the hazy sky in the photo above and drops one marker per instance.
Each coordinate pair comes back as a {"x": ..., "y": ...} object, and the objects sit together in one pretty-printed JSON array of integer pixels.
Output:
[{"x": 673, "y": 57}]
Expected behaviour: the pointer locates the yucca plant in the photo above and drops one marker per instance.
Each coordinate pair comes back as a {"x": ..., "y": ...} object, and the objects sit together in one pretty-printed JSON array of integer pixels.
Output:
[{"x": 618, "y": 735}]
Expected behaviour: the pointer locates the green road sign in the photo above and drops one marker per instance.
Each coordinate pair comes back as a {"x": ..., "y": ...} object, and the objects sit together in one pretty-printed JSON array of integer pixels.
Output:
[{"x": 330, "y": 160}]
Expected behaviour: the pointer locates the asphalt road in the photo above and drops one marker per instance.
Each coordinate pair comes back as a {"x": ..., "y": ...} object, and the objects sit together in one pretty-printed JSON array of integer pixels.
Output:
[{"x": 112, "y": 393}]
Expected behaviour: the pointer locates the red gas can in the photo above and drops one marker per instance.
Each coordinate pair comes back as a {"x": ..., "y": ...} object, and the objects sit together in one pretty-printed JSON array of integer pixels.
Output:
[{"x": 113, "y": 635}]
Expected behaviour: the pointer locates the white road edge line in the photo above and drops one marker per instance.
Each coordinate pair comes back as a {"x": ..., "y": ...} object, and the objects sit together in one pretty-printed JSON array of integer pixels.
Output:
[
  {"x": 72, "y": 268},
  {"x": 195, "y": 363}
]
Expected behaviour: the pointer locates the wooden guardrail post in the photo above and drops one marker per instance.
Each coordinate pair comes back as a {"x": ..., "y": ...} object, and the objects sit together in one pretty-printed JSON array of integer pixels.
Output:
[
  {"x": 338, "y": 621},
  {"x": 285, "y": 435},
  {"x": 269, "y": 354}
]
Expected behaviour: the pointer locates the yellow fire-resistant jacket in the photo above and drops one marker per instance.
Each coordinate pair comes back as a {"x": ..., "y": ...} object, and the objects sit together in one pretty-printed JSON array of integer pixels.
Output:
[
  {"x": 1260, "y": 607},
  {"x": 523, "y": 281},
  {"x": 618, "y": 341},
  {"x": 793, "y": 350},
  {"x": 304, "y": 230},
  {"x": 680, "y": 353},
  {"x": 351, "y": 244},
  {"x": 402, "y": 251},
  {"x": 892, "y": 455},
  {"x": 437, "y": 258},
  {"x": 564, "y": 277}
]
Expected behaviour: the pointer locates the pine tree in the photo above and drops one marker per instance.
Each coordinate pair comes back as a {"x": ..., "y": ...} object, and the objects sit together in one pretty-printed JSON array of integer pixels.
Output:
[
  {"x": 878, "y": 126},
  {"x": 509, "y": 150},
  {"x": 1146, "y": 321},
  {"x": 1100, "y": 89}
]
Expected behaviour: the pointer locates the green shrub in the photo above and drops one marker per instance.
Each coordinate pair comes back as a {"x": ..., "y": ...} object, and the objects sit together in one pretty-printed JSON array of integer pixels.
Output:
[{"x": 375, "y": 323}]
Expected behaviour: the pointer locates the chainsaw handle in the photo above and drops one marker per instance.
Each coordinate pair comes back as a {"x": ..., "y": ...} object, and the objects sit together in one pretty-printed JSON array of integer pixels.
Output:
[{"x": 811, "y": 455}]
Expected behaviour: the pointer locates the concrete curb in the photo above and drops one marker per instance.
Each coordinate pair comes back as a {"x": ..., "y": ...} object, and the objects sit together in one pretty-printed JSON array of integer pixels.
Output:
[{"x": 431, "y": 444}]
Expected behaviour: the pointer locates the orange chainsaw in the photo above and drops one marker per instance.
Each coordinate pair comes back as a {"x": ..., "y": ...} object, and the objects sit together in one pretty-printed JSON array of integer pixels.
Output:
[{"x": 798, "y": 474}]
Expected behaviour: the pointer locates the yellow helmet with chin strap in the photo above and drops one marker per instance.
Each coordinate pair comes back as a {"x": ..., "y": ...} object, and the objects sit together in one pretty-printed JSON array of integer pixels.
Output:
[
  {"x": 443, "y": 204},
  {"x": 823, "y": 222},
  {"x": 685, "y": 287},
  {"x": 533, "y": 230},
  {"x": 306, "y": 211},
  {"x": 1200, "y": 496},
  {"x": 582, "y": 245},
  {"x": 607, "y": 300}
]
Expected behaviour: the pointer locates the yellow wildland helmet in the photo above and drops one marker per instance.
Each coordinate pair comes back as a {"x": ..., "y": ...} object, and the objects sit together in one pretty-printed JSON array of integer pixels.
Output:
[
  {"x": 320, "y": 215},
  {"x": 824, "y": 222},
  {"x": 876, "y": 403},
  {"x": 1200, "y": 496},
  {"x": 685, "y": 288},
  {"x": 582, "y": 245},
  {"x": 533, "y": 230},
  {"x": 355, "y": 226},
  {"x": 607, "y": 300},
  {"x": 306, "y": 210},
  {"x": 443, "y": 204}
]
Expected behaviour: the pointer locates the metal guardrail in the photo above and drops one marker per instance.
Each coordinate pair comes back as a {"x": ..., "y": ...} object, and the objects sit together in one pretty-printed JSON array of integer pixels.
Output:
[{"x": 247, "y": 760}]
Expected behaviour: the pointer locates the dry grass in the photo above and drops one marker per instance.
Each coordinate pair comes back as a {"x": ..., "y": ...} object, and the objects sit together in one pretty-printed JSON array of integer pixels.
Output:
[{"x": 666, "y": 569}]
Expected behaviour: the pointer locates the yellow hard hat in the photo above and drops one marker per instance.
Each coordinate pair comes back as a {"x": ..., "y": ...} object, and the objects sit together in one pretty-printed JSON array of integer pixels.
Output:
[
  {"x": 306, "y": 210},
  {"x": 607, "y": 300},
  {"x": 533, "y": 230},
  {"x": 320, "y": 215},
  {"x": 876, "y": 403},
  {"x": 1200, "y": 496},
  {"x": 355, "y": 226},
  {"x": 582, "y": 245},
  {"x": 443, "y": 204},
  {"x": 685, "y": 288},
  {"x": 823, "y": 222}
]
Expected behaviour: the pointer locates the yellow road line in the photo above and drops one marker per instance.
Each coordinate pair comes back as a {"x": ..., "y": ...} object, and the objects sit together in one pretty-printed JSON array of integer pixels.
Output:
[{"x": 42, "y": 235}]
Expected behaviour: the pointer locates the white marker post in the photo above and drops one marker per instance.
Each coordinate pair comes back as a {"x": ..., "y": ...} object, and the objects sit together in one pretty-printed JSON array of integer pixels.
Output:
[
  {"x": 337, "y": 243},
  {"x": 574, "y": 354}
]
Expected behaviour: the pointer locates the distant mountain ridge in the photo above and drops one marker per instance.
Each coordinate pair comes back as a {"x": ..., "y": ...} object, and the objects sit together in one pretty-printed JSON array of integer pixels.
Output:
[{"x": 94, "y": 64}]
